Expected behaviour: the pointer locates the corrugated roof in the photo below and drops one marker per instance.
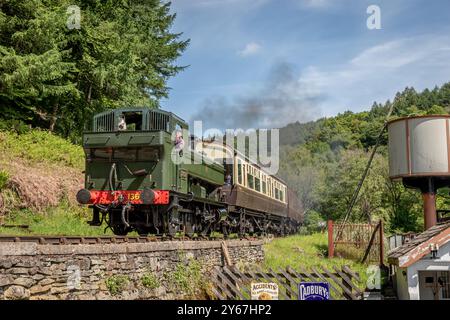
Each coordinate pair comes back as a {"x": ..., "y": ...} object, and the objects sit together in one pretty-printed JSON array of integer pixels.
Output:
[{"x": 423, "y": 237}]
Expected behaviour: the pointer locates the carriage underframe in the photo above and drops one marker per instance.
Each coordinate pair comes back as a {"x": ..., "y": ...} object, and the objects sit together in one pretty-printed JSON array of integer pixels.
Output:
[{"x": 189, "y": 216}]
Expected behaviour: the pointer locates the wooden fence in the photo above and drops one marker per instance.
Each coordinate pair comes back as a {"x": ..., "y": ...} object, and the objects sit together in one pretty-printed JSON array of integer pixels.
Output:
[
  {"x": 365, "y": 240},
  {"x": 229, "y": 283}
]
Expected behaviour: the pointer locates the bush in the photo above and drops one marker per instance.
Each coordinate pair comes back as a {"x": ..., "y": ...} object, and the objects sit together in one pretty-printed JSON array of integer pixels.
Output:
[
  {"x": 116, "y": 284},
  {"x": 303, "y": 231},
  {"x": 17, "y": 126},
  {"x": 187, "y": 278},
  {"x": 314, "y": 221},
  {"x": 149, "y": 280}
]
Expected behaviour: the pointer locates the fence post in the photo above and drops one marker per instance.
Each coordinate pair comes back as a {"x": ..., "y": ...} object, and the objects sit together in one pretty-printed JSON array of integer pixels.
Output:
[
  {"x": 381, "y": 243},
  {"x": 347, "y": 285},
  {"x": 330, "y": 239}
]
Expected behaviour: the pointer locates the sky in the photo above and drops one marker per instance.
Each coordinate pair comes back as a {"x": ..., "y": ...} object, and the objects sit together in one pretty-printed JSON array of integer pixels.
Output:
[{"x": 267, "y": 63}]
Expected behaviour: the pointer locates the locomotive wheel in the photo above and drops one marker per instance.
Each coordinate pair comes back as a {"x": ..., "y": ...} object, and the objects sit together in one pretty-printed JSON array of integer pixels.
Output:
[
  {"x": 172, "y": 230},
  {"x": 189, "y": 227},
  {"x": 142, "y": 232},
  {"x": 120, "y": 230}
]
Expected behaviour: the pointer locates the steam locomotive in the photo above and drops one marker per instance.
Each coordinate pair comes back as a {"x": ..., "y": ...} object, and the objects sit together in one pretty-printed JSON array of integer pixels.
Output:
[{"x": 133, "y": 184}]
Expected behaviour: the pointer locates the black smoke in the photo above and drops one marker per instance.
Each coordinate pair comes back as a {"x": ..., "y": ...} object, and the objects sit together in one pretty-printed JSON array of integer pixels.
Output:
[{"x": 284, "y": 98}]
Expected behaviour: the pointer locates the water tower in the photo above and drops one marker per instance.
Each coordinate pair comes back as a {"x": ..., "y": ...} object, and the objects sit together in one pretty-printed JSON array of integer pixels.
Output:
[{"x": 419, "y": 156}]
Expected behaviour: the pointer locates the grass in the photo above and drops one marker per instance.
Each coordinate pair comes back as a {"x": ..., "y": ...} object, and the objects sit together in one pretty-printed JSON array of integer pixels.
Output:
[
  {"x": 307, "y": 251},
  {"x": 4, "y": 176},
  {"x": 65, "y": 220}
]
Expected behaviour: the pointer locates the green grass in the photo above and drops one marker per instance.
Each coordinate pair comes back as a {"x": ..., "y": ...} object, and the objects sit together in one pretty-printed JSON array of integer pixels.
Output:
[
  {"x": 306, "y": 251},
  {"x": 4, "y": 176},
  {"x": 63, "y": 220},
  {"x": 41, "y": 146}
]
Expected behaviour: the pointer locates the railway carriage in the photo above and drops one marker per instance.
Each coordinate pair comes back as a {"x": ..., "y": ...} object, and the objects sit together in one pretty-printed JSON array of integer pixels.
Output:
[{"x": 133, "y": 183}]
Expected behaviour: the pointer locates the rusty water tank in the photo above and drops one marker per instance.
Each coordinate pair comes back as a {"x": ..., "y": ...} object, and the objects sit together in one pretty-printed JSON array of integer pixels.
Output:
[{"x": 419, "y": 156}]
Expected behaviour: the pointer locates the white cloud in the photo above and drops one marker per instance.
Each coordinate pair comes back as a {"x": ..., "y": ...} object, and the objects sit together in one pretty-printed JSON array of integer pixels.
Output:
[
  {"x": 394, "y": 54},
  {"x": 377, "y": 73},
  {"x": 250, "y": 48},
  {"x": 374, "y": 74}
]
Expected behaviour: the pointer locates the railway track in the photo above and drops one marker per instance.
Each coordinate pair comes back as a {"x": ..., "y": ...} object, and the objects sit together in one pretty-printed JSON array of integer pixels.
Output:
[{"x": 74, "y": 240}]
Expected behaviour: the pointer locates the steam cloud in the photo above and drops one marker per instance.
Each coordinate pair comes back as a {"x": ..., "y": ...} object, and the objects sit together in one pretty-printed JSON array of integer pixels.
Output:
[{"x": 283, "y": 99}]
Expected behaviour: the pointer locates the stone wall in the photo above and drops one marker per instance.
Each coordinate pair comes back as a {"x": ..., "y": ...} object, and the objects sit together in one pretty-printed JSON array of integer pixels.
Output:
[{"x": 157, "y": 270}]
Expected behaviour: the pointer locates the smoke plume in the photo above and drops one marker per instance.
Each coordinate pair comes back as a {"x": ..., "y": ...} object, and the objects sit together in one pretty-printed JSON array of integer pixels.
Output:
[{"x": 284, "y": 98}]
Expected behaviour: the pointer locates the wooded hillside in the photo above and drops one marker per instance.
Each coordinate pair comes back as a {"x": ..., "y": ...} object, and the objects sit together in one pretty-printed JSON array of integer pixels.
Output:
[{"x": 324, "y": 160}]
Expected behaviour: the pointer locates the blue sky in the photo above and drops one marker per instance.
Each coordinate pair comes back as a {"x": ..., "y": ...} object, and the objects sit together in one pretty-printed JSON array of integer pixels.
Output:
[{"x": 266, "y": 63}]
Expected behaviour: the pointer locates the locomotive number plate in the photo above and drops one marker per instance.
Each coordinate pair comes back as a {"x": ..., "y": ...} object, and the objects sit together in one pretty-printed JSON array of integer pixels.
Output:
[{"x": 134, "y": 196}]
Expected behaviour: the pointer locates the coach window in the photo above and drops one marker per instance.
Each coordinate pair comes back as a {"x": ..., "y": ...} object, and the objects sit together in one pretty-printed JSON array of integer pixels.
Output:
[
  {"x": 257, "y": 183},
  {"x": 239, "y": 172},
  {"x": 271, "y": 188},
  {"x": 244, "y": 175},
  {"x": 281, "y": 196},
  {"x": 250, "y": 181},
  {"x": 264, "y": 185}
]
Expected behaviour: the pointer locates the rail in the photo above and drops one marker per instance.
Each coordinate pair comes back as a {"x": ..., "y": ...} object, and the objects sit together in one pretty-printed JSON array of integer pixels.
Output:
[{"x": 74, "y": 240}]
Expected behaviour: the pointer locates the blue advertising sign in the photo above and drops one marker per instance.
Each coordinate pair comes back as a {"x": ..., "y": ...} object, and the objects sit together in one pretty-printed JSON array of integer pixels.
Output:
[{"x": 313, "y": 291}]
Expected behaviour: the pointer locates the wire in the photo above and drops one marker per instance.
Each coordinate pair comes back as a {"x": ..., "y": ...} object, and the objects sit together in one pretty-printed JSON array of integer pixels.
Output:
[{"x": 366, "y": 171}]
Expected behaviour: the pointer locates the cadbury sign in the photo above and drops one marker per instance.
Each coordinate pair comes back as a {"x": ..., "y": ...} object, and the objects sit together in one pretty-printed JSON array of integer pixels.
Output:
[{"x": 314, "y": 291}]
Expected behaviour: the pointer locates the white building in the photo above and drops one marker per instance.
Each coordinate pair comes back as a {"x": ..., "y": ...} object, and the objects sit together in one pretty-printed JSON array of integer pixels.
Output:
[{"x": 421, "y": 267}]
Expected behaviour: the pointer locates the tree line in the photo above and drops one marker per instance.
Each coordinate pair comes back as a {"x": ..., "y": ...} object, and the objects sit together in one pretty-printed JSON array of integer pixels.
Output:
[{"x": 56, "y": 77}]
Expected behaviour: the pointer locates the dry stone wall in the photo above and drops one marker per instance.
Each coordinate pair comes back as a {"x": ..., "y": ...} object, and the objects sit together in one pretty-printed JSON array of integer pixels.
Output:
[{"x": 157, "y": 270}]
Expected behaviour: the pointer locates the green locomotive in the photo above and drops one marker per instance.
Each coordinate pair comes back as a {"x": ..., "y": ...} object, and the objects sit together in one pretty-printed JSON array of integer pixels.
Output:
[{"x": 133, "y": 183}]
